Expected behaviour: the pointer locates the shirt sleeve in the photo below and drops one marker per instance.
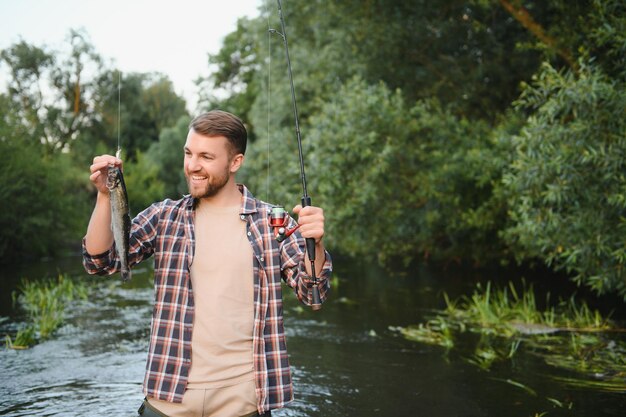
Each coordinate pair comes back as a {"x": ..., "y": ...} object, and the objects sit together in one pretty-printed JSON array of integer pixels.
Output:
[
  {"x": 143, "y": 232},
  {"x": 293, "y": 257}
]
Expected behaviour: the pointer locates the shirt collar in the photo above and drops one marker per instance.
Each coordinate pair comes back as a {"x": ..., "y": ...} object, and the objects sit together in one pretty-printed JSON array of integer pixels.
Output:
[{"x": 248, "y": 202}]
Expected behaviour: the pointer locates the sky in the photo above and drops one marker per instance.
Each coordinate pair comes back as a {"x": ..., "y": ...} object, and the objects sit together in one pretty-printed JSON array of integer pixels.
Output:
[{"x": 171, "y": 37}]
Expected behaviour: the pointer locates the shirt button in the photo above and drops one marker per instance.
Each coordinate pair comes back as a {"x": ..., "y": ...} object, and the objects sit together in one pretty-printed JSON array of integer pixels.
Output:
[
  {"x": 249, "y": 233},
  {"x": 262, "y": 260},
  {"x": 242, "y": 217}
]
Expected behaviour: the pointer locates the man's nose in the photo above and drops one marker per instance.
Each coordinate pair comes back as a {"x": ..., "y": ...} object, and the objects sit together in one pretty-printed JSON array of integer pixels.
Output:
[{"x": 192, "y": 164}]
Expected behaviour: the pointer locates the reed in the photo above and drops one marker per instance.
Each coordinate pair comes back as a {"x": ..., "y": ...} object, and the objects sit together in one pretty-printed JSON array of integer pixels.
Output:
[
  {"x": 44, "y": 303},
  {"x": 567, "y": 335},
  {"x": 509, "y": 311}
]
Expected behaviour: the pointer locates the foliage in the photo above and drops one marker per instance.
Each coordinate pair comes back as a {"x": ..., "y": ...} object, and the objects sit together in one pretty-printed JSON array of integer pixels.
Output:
[
  {"x": 469, "y": 55},
  {"x": 136, "y": 107},
  {"x": 423, "y": 214},
  {"x": 142, "y": 183},
  {"x": 405, "y": 180},
  {"x": 24, "y": 338},
  {"x": 44, "y": 202},
  {"x": 567, "y": 335},
  {"x": 167, "y": 157},
  {"x": 60, "y": 110},
  {"x": 455, "y": 51},
  {"x": 237, "y": 69},
  {"x": 44, "y": 302},
  {"x": 567, "y": 189},
  {"x": 509, "y": 311},
  {"x": 605, "y": 39},
  {"x": 52, "y": 95},
  {"x": 144, "y": 110},
  {"x": 421, "y": 156},
  {"x": 422, "y": 135},
  {"x": 158, "y": 173}
]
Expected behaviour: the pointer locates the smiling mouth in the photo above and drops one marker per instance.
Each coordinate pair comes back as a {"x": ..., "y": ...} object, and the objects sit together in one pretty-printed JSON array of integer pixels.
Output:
[{"x": 196, "y": 179}]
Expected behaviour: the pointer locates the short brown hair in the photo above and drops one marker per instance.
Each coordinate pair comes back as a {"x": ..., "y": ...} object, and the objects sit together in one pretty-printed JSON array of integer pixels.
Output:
[{"x": 222, "y": 123}]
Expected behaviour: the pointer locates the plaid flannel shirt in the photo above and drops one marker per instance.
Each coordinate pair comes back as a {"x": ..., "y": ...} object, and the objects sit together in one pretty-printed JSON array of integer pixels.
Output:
[{"x": 166, "y": 230}]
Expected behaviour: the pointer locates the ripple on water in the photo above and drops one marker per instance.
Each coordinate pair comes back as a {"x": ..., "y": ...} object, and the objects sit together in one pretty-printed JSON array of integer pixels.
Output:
[{"x": 94, "y": 365}]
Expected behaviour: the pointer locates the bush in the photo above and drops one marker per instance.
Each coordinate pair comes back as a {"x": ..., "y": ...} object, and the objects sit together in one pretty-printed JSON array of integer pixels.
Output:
[
  {"x": 400, "y": 181},
  {"x": 44, "y": 202},
  {"x": 567, "y": 185},
  {"x": 142, "y": 183},
  {"x": 167, "y": 155}
]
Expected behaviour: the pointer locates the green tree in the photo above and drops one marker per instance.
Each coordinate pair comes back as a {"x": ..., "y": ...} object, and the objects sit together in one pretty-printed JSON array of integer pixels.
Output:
[
  {"x": 605, "y": 40},
  {"x": 44, "y": 202},
  {"x": 142, "y": 183},
  {"x": 60, "y": 110},
  {"x": 397, "y": 180},
  {"x": 167, "y": 157},
  {"x": 469, "y": 54},
  {"x": 163, "y": 105},
  {"x": 233, "y": 86},
  {"x": 53, "y": 96},
  {"x": 567, "y": 188},
  {"x": 135, "y": 106},
  {"x": 412, "y": 143}
]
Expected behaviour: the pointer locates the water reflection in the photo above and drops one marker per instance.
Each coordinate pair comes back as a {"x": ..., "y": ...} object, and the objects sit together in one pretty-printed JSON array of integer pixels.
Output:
[{"x": 345, "y": 360}]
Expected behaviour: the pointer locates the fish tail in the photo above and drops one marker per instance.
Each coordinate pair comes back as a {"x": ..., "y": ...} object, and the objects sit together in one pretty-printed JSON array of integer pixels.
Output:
[{"x": 126, "y": 274}]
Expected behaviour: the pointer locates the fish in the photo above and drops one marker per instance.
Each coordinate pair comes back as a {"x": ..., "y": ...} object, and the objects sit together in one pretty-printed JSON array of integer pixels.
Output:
[{"x": 120, "y": 218}]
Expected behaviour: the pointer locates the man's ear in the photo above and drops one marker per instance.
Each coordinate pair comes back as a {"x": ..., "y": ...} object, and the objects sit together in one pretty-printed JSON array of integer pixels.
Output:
[{"x": 236, "y": 162}]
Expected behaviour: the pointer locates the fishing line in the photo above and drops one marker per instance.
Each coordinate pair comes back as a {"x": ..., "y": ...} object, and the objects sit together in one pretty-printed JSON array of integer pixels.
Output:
[
  {"x": 119, "y": 114},
  {"x": 269, "y": 102}
]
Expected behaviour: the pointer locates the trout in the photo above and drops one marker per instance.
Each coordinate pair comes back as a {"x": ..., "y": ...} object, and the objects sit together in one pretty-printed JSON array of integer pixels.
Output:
[{"x": 120, "y": 218}]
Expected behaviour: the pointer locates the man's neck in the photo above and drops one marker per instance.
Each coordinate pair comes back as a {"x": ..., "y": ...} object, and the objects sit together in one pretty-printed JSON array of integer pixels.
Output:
[{"x": 228, "y": 196}]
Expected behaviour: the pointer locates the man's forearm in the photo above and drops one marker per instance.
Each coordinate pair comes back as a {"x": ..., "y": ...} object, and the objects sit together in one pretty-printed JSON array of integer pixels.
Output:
[{"x": 99, "y": 237}]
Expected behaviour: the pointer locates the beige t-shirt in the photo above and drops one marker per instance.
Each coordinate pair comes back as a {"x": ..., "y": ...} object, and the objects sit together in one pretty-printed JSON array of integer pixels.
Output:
[{"x": 223, "y": 290}]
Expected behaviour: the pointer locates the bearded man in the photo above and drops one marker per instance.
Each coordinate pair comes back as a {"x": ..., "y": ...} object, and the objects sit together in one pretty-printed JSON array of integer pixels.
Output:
[{"x": 217, "y": 344}]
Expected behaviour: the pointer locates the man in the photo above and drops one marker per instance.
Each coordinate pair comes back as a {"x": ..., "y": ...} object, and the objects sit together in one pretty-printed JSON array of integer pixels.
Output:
[{"x": 217, "y": 344}]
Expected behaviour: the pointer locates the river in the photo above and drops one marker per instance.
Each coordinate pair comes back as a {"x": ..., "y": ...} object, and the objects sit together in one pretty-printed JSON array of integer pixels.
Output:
[{"x": 346, "y": 361}]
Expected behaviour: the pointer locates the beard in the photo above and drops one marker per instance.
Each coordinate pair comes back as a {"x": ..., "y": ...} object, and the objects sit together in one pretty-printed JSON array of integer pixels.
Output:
[{"x": 212, "y": 185}]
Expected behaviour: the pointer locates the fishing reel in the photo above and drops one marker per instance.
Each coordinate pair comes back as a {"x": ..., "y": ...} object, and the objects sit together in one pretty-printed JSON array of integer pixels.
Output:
[{"x": 279, "y": 220}]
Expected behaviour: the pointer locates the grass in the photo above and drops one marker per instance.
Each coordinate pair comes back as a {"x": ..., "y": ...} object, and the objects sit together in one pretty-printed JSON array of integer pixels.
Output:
[
  {"x": 44, "y": 303},
  {"x": 567, "y": 334},
  {"x": 510, "y": 311}
]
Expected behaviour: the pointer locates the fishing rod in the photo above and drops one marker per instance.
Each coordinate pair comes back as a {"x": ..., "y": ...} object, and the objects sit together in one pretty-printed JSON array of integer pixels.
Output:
[{"x": 306, "y": 199}]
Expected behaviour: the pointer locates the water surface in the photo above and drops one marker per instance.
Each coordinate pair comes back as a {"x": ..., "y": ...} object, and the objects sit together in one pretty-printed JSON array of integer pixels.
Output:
[{"x": 346, "y": 361}]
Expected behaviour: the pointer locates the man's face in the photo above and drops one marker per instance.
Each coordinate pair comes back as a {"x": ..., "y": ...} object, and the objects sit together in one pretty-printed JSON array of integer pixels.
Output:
[{"x": 208, "y": 164}]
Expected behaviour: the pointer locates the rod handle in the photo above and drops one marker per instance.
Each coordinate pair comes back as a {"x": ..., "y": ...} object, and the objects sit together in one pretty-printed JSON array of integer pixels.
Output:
[
  {"x": 310, "y": 242},
  {"x": 316, "y": 302}
]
